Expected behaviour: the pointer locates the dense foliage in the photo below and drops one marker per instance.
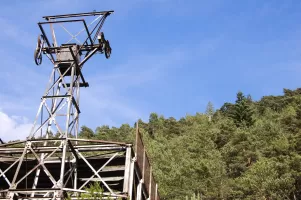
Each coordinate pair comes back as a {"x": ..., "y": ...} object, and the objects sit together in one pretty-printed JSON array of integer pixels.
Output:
[{"x": 244, "y": 150}]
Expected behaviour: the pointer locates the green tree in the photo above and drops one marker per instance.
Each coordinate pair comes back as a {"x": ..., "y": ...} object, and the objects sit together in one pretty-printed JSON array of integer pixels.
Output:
[
  {"x": 153, "y": 124},
  {"x": 242, "y": 114},
  {"x": 265, "y": 180},
  {"x": 230, "y": 157},
  {"x": 86, "y": 132}
]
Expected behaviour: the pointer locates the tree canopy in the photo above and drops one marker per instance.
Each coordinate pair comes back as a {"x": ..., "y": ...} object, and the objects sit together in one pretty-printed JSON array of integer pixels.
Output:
[{"x": 246, "y": 150}]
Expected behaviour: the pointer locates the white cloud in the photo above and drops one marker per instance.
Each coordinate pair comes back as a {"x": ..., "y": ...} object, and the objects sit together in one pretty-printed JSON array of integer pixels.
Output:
[{"x": 13, "y": 127}]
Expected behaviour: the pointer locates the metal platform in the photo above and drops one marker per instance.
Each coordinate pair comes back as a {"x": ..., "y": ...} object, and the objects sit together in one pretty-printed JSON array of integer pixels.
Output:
[{"x": 121, "y": 172}]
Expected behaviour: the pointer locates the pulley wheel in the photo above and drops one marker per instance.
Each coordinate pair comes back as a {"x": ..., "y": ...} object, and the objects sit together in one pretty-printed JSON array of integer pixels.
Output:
[
  {"x": 107, "y": 49},
  {"x": 38, "y": 51},
  {"x": 37, "y": 57}
]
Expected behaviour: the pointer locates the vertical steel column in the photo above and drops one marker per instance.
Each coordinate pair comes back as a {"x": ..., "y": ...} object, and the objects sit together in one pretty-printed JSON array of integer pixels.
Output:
[
  {"x": 64, "y": 142},
  {"x": 139, "y": 190},
  {"x": 144, "y": 160},
  {"x": 156, "y": 197},
  {"x": 127, "y": 170},
  {"x": 131, "y": 182},
  {"x": 77, "y": 114},
  {"x": 54, "y": 102},
  {"x": 150, "y": 182}
]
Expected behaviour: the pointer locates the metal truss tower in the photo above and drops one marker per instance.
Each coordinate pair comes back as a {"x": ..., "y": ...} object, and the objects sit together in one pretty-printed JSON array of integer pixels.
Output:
[
  {"x": 53, "y": 163},
  {"x": 59, "y": 110}
]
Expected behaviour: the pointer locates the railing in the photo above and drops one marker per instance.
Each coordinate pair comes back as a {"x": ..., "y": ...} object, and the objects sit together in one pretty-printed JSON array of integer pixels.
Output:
[{"x": 146, "y": 169}]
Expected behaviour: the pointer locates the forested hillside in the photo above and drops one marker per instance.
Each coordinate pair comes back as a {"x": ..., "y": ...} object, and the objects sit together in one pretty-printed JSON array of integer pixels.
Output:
[{"x": 244, "y": 150}]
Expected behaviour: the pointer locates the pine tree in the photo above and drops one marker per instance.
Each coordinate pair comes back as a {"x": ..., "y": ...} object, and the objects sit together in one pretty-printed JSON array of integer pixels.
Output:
[{"x": 242, "y": 114}]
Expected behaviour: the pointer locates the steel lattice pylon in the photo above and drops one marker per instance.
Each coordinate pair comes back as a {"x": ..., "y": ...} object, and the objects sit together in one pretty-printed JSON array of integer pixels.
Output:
[
  {"x": 59, "y": 111},
  {"x": 53, "y": 163}
]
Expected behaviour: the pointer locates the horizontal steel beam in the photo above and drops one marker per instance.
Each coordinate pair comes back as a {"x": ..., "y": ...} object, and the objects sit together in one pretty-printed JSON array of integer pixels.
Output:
[
  {"x": 64, "y": 21},
  {"x": 114, "y": 168},
  {"x": 106, "y": 179},
  {"x": 36, "y": 189},
  {"x": 96, "y": 145},
  {"x": 83, "y": 48},
  {"x": 57, "y": 96},
  {"x": 71, "y": 139},
  {"x": 12, "y": 143},
  {"x": 100, "y": 141},
  {"x": 86, "y": 84},
  {"x": 72, "y": 198},
  {"x": 49, "y": 150},
  {"x": 78, "y": 15}
]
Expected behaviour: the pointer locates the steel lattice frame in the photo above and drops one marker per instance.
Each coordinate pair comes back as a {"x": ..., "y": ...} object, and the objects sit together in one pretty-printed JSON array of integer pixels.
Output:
[
  {"x": 48, "y": 167},
  {"x": 109, "y": 151},
  {"x": 60, "y": 100}
]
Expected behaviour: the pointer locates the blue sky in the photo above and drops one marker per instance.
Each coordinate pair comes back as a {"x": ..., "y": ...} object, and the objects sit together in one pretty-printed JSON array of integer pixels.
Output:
[{"x": 169, "y": 56}]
